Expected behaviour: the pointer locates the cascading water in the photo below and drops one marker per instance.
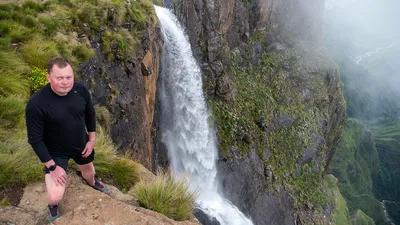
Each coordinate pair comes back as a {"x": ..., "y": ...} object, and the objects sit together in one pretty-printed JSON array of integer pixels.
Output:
[{"x": 184, "y": 125}]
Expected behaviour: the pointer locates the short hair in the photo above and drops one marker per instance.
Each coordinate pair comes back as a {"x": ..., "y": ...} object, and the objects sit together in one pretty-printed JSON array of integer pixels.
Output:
[{"x": 59, "y": 61}]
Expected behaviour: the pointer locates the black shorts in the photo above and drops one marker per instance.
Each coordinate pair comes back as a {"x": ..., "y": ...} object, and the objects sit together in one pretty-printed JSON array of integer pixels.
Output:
[{"x": 63, "y": 160}]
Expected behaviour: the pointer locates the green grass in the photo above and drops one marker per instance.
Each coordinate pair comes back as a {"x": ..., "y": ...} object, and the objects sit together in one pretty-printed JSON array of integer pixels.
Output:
[
  {"x": 103, "y": 117},
  {"x": 37, "y": 52},
  {"x": 12, "y": 63},
  {"x": 12, "y": 109},
  {"x": 4, "y": 202},
  {"x": 356, "y": 163},
  {"x": 340, "y": 214},
  {"x": 113, "y": 169},
  {"x": 168, "y": 196},
  {"x": 13, "y": 84},
  {"x": 387, "y": 139},
  {"x": 360, "y": 218},
  {"x": 18, "y": 162}
]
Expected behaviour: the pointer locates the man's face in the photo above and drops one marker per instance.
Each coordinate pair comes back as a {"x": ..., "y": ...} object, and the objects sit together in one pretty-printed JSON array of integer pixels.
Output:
[{"x": 61, "y": 79}]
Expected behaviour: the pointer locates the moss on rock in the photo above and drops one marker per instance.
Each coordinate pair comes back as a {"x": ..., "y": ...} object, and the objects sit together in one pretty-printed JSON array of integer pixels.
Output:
[{"x": 280, "y": 104}]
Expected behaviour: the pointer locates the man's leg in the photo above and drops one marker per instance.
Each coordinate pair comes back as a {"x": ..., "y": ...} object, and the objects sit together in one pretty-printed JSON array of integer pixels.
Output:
[
  {"x": 54, "y": 193},
  {"x": 87, "y": 169},
  {"x": 88, "y": 172}
]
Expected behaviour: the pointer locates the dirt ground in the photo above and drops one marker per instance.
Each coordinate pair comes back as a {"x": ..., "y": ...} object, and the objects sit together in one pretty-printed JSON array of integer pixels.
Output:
[{"x": 12, "y": 194}]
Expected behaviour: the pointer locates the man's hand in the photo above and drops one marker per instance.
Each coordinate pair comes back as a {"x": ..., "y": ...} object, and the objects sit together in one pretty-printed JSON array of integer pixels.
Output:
[
  {"x": 59, "y": 176},
  {"x": 88, "y": 149}
]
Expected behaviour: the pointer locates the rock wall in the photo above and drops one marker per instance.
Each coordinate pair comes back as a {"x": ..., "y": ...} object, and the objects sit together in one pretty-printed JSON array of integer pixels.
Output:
[{"x": 127, "y": 87}]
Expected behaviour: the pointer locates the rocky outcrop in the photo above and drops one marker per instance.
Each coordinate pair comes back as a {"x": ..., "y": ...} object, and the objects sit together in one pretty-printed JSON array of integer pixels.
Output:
[
  {"x": 82, "y": 205},
  {"x": 127, "y": 87},
  {"x": 276, "y": 147}
]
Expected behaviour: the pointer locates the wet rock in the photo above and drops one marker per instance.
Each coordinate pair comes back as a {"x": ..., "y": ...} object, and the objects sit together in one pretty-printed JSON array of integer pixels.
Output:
[{"x": 205, "y": 219}]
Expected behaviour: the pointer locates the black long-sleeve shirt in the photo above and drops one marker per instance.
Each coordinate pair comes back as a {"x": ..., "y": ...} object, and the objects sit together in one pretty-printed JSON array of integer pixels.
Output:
[{"x": 58, "y": 125}]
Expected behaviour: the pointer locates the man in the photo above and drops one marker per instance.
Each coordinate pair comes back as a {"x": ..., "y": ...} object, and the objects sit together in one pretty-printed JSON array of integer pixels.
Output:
[{"x": 61, "y": 124}]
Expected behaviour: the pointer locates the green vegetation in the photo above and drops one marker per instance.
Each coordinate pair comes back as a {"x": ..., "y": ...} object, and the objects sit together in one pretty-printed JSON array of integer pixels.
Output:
[
  {"x": 38, "y": 79},
  {"x": 168, "y": 196},
  {"x": 387, "y": 138},
  {"x": 360, "y": 218},
  {"x": 354, "y": 164},
  {"x": 269, "y": 115},
  {"x": 340, "y": 214},
  {"x": 15, "y": 150},
  {"x": 40, "y": 31},
  {"x": 30, "y": 34},
  {"x": 104, "y": 117},
  {"x": 111, "y": 168},
  {"x": 4, "y": 202}
]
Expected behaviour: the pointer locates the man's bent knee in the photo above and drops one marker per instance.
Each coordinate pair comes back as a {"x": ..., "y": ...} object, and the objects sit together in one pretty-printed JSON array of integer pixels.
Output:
[
  {"x": 54, "y": 197},
  {"x": 55, "y": 192}
]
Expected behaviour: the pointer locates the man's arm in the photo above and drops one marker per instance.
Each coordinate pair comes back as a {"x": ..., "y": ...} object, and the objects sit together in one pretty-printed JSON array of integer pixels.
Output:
[
  {"x": 90, "y": 120},
  {"x": 35, "y": 128},
  {"x": 90, "y": 113},
  {"x": 89, "y": 145}
]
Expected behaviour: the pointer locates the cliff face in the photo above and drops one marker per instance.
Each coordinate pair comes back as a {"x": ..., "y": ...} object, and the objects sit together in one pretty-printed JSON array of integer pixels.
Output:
[
  {"x": 127, "y": 87},
  {"x": 276, "y": 101}
]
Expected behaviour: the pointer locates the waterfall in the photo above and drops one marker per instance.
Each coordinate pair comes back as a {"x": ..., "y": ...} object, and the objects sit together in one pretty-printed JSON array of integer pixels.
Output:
[{"x": 184, "y": 127}]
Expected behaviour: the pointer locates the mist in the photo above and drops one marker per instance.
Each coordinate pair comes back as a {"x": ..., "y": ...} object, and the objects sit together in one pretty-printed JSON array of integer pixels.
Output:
[{"x": 364, "y": 40}]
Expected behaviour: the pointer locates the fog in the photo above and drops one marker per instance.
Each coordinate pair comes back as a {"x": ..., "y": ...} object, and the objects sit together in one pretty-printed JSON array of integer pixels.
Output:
[{"x": 363, "y": 37}]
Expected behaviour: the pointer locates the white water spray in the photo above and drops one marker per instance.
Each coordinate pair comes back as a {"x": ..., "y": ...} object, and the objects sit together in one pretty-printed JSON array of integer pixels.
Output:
[{"x": 184, "y": 127}]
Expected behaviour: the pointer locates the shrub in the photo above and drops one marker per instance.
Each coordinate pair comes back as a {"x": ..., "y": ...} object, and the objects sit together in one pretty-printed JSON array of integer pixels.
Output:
[
  {"x": 104, "y": 117},
  {"x": 11, "y": 111},
  {"x": 82, "y": 52},
  {"x": 5, "y": 43},
  {"x": 13, "y": 84},
  {"x": 12, "y": 64},
  {"x": 33, "y": 5},
  {"x": 15, "y": 150},
  {"x": 15, "y": 31},
  {"x": 38, "y": 52},
  {"x": 38, "y": 79},
  {"x": 167, "y": 196}
]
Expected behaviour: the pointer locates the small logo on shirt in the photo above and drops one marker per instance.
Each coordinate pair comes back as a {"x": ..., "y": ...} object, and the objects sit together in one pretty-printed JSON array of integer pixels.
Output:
[{"x": 75, "y": 92}]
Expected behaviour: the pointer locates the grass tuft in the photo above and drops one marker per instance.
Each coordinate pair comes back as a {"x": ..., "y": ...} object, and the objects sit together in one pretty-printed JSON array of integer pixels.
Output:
[
  {"x": 168, "y": 196},
  {"x": 13, "y": 84},
  {"x": 4, "y": 202},
  {"x": 38, "y": 52},
  {"x": 11, "y": 111},
  {"x": 104, "y": 117},
  {"x": 111, "y": 168},
  {"x": 15, "y": 150}
]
